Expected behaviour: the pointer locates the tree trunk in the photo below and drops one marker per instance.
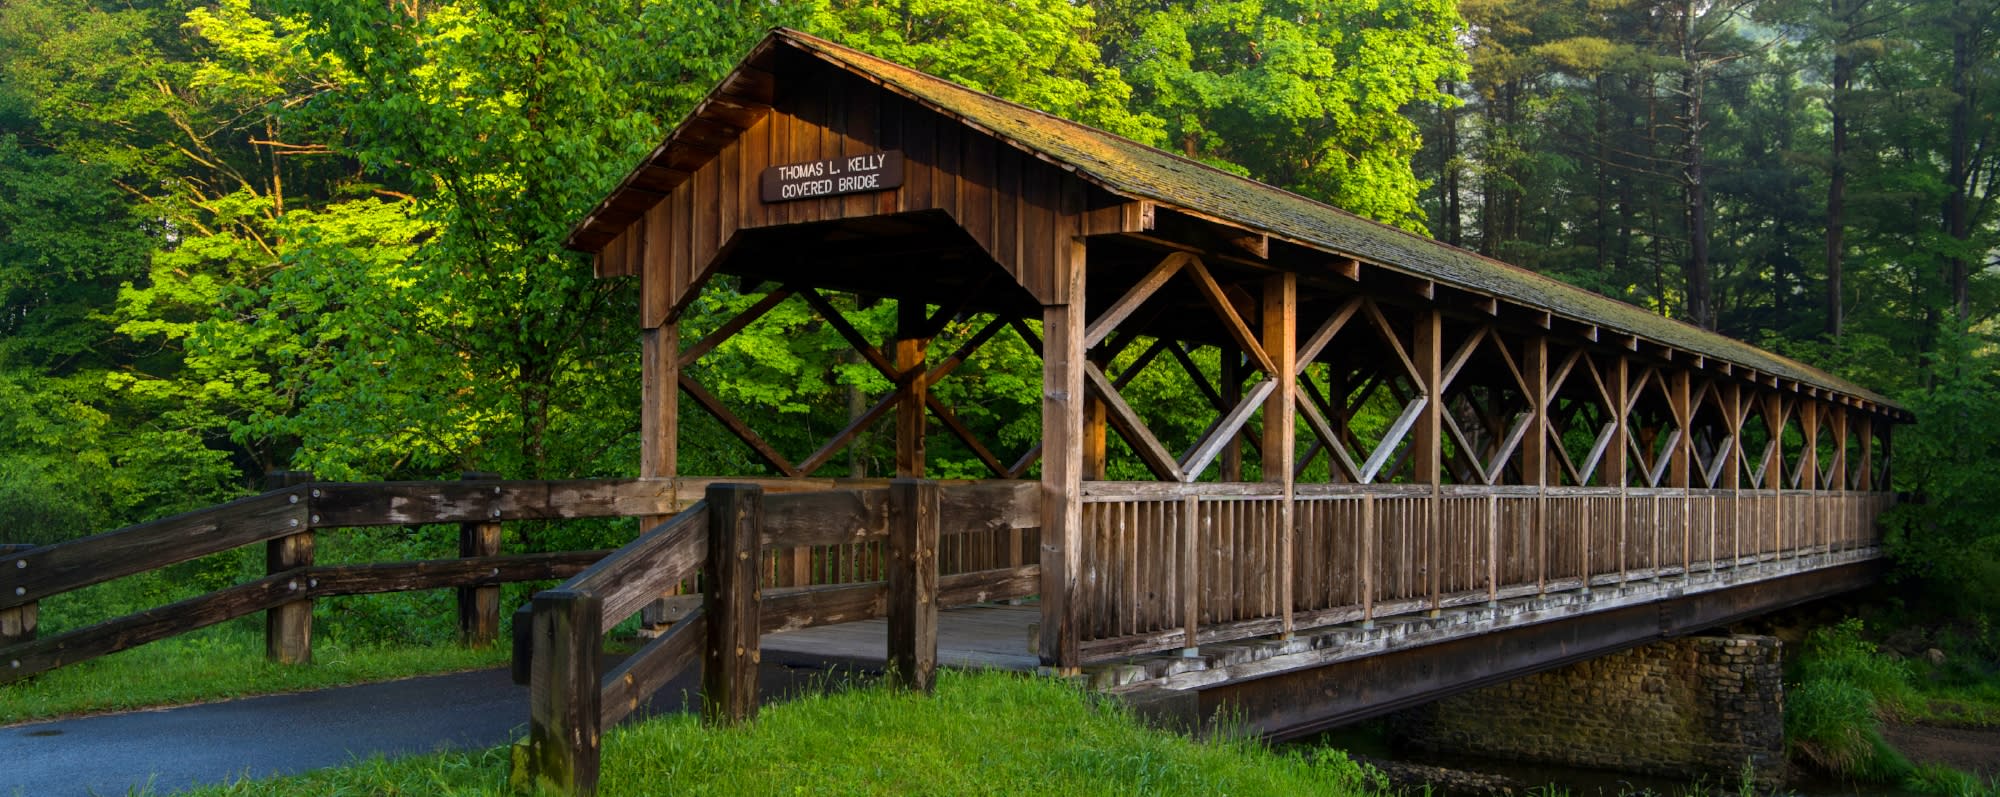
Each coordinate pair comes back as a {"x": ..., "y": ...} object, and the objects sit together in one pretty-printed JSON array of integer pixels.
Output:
[
  {"x": 1836, "y": 184},
  {"x": 1454, "y": 232},
  {"x": 1701, "y": 300},
  {"x": 1957, "y": 210}
]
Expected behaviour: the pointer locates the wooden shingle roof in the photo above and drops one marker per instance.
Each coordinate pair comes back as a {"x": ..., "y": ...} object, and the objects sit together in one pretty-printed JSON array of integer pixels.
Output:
[{"x": 1137, "y": 171}]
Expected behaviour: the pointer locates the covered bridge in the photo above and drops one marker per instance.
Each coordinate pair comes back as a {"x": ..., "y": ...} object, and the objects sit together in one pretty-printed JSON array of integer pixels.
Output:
[{"x": 1399, "y": 426}]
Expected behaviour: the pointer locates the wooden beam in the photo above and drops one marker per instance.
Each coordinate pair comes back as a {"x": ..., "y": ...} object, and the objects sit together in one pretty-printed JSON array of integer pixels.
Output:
[
  {"x": 914, "y": 524},
  {"x": 1225, "y": 430},
  {"x": 1219, "y": 302},
  {"x": 1130, "y": 426},
  {"x": 659, "y": 416},
  {"x": 1063, "y": 374},
  {"x": 729, "y": 328},
  {"x": 1412, "y": 412},
  {"x": 1310, "y": 352},
  {"x": 1133, "y": 298},
  {"x": 1534, "y": 458},
  {"x": 478, "y": 607},
  {"x": 731, "y": 602},
  {"x": 1342, "y": 459},
  {"x": 736, "y": 426},
  {"x": 910, "y": 388},
  {"x": 1346, "y": 268},
  {"x": 1680, "y": 472}
]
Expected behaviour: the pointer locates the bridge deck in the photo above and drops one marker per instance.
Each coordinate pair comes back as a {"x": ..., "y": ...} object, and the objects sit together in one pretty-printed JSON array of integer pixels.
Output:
[{"x": 975, "y": 637}]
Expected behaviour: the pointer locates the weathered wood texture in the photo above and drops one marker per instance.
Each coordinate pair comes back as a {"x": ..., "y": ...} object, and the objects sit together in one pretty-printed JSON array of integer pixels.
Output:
[
  {"x": 564, "y": 715},
  {"x": 645, "y": 671},
  {"x": 288, "y": 627},
  {"x": 1018, "y": 208},
  {"x": 463, "y": 573},
  {"x": 913, "y": 583},
  {"x": 133, "y": 630},
  {"x": 478, "y": 606},
  {"x": 731, "y": 602},
  {"x": 636, "y": 573},
  {"x": 52, "y": 569},
  {"x": 1154, "y": 553},
  {"x": 18, "y": 624}
]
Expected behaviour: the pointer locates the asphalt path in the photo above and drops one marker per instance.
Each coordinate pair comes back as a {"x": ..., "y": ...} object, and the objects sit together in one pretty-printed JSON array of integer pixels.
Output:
[{"x": 173, "y": 749}]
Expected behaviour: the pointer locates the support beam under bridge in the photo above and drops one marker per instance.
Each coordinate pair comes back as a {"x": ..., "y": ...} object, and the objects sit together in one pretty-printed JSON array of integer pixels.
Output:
[{"x": 1291, "y": 703}]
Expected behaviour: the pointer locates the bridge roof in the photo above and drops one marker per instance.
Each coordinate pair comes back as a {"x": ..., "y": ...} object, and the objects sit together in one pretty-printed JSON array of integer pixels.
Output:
[{"x": 1130, "y": 169}]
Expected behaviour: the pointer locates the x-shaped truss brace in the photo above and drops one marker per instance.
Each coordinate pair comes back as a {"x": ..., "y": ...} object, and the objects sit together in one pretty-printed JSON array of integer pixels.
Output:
[{"x": 870, "y": 354}]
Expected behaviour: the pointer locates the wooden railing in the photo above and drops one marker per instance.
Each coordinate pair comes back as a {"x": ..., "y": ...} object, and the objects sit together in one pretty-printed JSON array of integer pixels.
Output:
[
  {"x": 286, "y": 519},
  {"x": 558, "y": 649},
  {"x": 1175, "y": 566}
]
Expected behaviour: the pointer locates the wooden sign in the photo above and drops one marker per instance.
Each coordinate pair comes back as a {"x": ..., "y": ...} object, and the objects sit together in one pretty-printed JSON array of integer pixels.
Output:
[{"x": 853, "y": 174}]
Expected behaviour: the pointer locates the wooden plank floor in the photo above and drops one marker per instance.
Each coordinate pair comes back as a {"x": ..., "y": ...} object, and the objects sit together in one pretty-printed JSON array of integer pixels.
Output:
[{"x": 979, "y": 637}]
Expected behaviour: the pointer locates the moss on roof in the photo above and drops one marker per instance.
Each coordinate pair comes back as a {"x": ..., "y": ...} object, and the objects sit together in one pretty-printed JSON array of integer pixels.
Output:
[{"x": 1133, "y": 169}]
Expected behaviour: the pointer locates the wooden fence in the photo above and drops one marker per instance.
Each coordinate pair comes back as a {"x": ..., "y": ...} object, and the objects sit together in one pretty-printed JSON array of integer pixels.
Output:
[
  {"x": 558, "y": 650},
  {"x": 1181, "y": 565},
  {"x": 286, "y": 519}
]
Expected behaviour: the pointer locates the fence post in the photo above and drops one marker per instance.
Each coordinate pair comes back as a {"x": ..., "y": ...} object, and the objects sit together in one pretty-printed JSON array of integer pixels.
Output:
[
  {"x": 731, "y": 601},
  {"x": 913, "y": 580},
  {"x": 478, "y": 607},
  {"x": 288, "y": 627},
  {"x": 563, "y": 693},
  {"x": 17, "y": 625}
]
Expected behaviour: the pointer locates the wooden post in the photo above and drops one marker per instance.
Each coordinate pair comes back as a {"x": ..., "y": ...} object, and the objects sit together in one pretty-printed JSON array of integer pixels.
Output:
[
  {"x": 1535, "y": 460},
  {"x": 913, "y": 577},
  {"x": 1808, "y": 471},
  {"x": 1229, "y": 378},
  {"x": 563, "y": 693},
  {"x": 1190, "y": 581},
  {"x": 1094, "y": 439},
  {"x": 659, "y": 413},
  {"x": 659, "y": 430},
  {"x": 731, "y": 602},
  {"x": 1732, "y": 467},
  {"x": 478, "y": 607},
  {"x": 1280, "y": 338},
  {"x": 1839, "y": 469},
  {"x": 1865, "y": 479},
  {"x": 910, "y": 390},
  {"x": 1429, "y": 356},
  {"x": 17, "y": 625},
  {"x": 1680, "y": 468},
  {"x": 288, "y": 627},
  {"x": 1062, "y": 470}
]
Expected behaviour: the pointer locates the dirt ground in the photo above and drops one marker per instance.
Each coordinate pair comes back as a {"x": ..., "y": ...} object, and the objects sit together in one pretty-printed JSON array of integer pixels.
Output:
[{"x": 1974, "y": 750}]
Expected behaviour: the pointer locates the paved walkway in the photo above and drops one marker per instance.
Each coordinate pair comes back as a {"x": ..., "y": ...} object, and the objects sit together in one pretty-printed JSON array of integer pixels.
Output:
[{"x": 174, "y": 749}]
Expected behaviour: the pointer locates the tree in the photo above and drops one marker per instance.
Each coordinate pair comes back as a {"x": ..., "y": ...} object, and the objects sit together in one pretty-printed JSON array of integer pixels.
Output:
[{"x": 1303, "y": 94}]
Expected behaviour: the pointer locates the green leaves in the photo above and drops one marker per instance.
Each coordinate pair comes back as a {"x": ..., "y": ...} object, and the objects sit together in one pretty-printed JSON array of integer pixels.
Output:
[{"x": 1307, "y": 95}]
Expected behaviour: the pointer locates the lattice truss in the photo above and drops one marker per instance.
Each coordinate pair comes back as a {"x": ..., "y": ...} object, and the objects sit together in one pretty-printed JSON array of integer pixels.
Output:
[{"x": 908, "y": 363}]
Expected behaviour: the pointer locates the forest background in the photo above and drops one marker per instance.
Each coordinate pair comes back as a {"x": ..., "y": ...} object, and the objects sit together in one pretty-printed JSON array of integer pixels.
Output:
[{"x": 243, "y": 236}]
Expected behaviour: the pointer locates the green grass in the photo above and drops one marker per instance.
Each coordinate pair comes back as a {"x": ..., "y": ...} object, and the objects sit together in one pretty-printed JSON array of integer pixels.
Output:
[
  {"x": 218, "y": 664},
  {"x": 982, "y": 733},
  {"x": 1845, "y": 687}
]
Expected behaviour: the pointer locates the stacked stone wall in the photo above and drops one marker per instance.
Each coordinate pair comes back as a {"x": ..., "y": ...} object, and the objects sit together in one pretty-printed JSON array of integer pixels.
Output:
[{"x": 1696, "y": 707}]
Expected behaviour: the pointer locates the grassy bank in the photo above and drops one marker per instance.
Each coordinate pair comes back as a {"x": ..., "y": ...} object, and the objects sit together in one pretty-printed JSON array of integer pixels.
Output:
[
  {"x": 1844, "y": 687},
  {"x": 218, "y": 664},
  {"x": 983, "y": 733}
]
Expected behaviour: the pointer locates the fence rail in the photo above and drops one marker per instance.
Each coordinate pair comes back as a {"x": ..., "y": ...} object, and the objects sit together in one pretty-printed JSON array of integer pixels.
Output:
[
  {"x": 817, "y": 519},
  {"x": 574, "y": 699}
]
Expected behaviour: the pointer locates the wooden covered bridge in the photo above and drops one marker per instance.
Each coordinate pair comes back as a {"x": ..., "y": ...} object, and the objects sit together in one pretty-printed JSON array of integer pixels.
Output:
[{"x": 1422, "y": 469}]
